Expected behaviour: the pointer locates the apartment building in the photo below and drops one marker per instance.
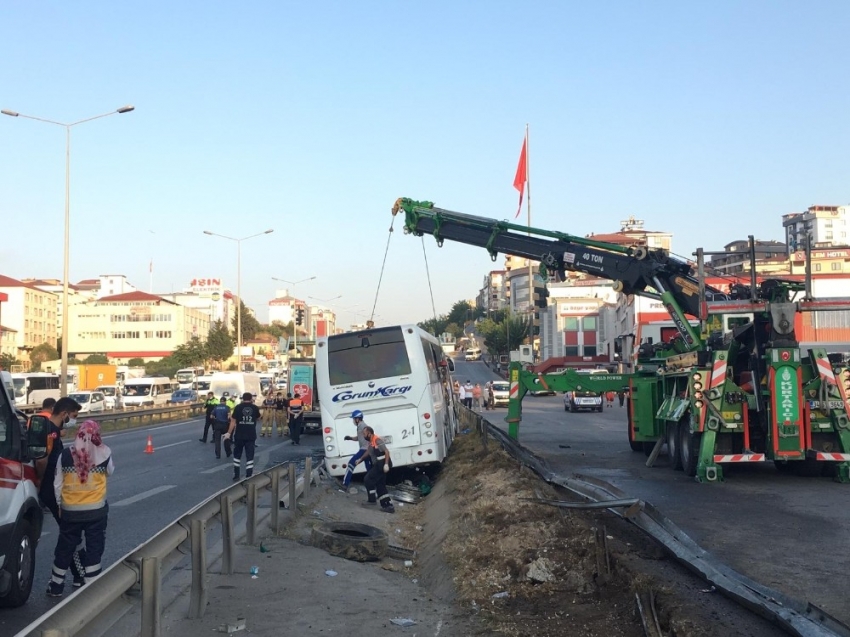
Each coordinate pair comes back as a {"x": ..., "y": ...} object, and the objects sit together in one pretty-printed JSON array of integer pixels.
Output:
[
  {"x": 31, "y": 313},
  {"x": 133, "y": 325},
  {"x": 828, "y": 227}
]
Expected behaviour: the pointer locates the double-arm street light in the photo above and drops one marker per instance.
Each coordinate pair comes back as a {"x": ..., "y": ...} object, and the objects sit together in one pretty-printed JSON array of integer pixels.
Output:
[
  {"x": 315, "y": 298},
  {"x": 67, "y": 126},
  {"x": 274, "y": 278},
  {"x": 238, "y": 283}
]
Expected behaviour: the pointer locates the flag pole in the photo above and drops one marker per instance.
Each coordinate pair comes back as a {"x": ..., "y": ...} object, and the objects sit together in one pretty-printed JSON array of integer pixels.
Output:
[
  {"x": 528, "y": 210},
  {"x": 150, "y": 284}
]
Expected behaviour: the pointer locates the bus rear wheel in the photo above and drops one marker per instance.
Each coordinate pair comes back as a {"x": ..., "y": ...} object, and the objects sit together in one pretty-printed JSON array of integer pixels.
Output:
[{"x": 673, "y": 446}]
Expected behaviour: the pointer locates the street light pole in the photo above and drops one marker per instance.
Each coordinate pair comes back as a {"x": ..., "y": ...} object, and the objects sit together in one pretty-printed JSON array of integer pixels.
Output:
[
  {"x": 66, "y": 259},
  {"x": 238, "y": 285}
]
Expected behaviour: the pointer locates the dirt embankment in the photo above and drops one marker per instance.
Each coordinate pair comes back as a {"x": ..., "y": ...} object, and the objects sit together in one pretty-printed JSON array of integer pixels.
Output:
[{"x": 528, "y": 569}]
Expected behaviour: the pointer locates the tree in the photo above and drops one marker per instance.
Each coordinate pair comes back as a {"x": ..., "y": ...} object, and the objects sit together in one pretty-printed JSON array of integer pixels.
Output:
[
  {"x": 505, "y": 336},
  {"x": 97, "y": 359},
  {"x": 42, "y": 353},
  {"x": 463, "y": 312},
  {"x": 7, "y": 361},
  {"x": 136, "y": 362},
  {"x": 167, "y": 367},
  {"x": 250, "y": 324},
  {"x": 192, "y": 353},
  {"x": 219, "y": 342},
  {"x": 276, "y": 329}
]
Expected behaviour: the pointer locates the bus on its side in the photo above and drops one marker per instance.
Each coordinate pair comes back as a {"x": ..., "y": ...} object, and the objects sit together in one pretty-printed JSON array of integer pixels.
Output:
[
  {"x": 186, "y": 378},
  {"x": 399, "y": 378}
]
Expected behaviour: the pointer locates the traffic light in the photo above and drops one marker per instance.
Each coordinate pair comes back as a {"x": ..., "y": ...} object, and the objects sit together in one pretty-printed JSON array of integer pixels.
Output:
[
  {"x": 299, "y": 316},
  {"x": 540, "y": 297}
]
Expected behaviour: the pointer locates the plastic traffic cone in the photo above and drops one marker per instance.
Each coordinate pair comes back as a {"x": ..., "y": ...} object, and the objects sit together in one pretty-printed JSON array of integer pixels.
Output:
[{"x": 149, "y": 446}]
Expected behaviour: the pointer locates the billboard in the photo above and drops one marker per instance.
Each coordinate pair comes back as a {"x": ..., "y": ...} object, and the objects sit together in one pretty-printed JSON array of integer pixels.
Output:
[{"x": 301, "y": 382}]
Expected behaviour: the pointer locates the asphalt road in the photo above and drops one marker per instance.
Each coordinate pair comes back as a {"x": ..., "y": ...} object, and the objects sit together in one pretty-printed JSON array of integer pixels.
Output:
[
  {"x": 149, "y": 491},
  {"x": 784, "y": 531}
]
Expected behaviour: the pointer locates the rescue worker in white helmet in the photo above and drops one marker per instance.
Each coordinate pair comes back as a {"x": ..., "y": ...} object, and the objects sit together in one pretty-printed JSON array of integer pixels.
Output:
[{"x": 357, "y": 417}]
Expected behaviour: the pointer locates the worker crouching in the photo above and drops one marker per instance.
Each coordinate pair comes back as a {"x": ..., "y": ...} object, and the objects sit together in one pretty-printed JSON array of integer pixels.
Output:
[
  {"x": 376, "y": 477},
  {"x": 80, "y": 486}
]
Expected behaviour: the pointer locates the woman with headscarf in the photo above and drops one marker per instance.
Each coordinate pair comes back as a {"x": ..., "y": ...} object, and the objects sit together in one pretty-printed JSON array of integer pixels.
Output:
[{"x": 80, "y": 486}]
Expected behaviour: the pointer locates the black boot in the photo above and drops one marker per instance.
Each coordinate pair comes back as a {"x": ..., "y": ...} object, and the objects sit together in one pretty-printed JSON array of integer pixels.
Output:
[{"x": 235, "y": 475}]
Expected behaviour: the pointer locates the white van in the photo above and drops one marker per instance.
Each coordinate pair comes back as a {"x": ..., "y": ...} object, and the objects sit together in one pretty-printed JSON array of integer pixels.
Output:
[
  {"x": 235, "y": 384},
  {"x": 472, "y": 354},
  {"x": 202, "y": 385},
  {"x": 151, "y": 391}
]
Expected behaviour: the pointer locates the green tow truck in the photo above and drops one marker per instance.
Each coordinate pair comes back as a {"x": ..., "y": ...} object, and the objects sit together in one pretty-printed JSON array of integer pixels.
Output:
[{"x": 735, "y": 389}]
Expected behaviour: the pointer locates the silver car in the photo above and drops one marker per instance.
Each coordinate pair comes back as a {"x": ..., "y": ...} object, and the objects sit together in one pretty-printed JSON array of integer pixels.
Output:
[{"x": 91, "y": 402}]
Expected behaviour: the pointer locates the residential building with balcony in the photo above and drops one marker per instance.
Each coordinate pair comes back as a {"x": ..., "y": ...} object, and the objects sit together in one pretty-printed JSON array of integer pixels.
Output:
[
  {"x": 31, "y": 313},
  {"x": 771, "y": 258},
  {"x": 493, "y": 295},
  {"x": 828, "y": 227}
]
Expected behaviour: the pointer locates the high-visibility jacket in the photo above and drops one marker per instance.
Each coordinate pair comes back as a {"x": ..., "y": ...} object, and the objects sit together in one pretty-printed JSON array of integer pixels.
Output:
[
  {"x": 296, "y": 407},
  {"x": 78, "y": 500}
]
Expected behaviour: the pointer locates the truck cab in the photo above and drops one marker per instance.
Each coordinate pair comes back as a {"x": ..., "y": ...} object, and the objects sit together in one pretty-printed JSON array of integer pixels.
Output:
[{"x": 21, "y": 517}]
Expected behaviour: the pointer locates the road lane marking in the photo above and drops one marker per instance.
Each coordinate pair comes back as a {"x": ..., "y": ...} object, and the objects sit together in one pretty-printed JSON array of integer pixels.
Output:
[
  {"x": 258, "y": 461},
  {"x": 173, "y": 444},
  {"x": 143, "y": 495},
  {"x": 133, "y": 430}
]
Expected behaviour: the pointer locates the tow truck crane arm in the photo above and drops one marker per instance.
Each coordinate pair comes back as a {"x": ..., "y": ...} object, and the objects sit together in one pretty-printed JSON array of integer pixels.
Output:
[{"x": 650, "y": 272}]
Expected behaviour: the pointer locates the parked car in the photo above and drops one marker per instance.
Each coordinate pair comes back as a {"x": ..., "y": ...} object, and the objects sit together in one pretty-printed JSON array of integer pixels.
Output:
[
  {"x": 184, "y": 396},
  {"x": 542, "y": 392},
  {"x": 501, "y": 393},
  {"x": 112, "y": 395},
  {"x": 577, "y": 400},
  {"x": 91, "y": 402}
]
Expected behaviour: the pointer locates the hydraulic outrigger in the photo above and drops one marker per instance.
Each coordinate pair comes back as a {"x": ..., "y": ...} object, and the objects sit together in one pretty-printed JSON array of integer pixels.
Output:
[{"x": 738, "y": 389}]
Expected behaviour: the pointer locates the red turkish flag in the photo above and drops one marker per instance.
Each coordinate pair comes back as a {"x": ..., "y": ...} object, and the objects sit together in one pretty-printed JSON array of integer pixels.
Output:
[{"x": 521, "y": 176}]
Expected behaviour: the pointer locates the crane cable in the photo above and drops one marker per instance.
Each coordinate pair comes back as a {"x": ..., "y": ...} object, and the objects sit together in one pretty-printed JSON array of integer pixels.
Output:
[
  {"x": 430, "y": 289},
  {"x": 381, "y": 276}
]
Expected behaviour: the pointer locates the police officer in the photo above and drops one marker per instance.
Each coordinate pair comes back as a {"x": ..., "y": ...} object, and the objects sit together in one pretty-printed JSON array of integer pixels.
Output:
[
  {"x": 243, "y": 431},
  {"x": 220, "y": 424},
  {"x": 209, "y": 404},
  {"x": 376, "y": 478}
]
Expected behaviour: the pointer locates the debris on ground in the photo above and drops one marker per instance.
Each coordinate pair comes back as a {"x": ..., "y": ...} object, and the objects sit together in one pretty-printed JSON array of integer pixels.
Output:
[
  {"x": 404, "y": 622},
  {"x": 236, "y": 626},
  {"x": 331, "y": 573}
]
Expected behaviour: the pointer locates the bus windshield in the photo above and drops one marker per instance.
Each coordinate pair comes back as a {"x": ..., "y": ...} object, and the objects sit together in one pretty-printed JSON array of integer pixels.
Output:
[
  {"x": 364, "y": 356},
  {"x": 185, "y": 377},
  {"x": 20, "y": 387},
  {"x": 203, "y": 385}
]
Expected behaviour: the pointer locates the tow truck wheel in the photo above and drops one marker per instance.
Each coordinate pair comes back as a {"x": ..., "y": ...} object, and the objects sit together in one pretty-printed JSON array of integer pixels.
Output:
[
  {"x": 688, "y": 449},
  {"x": 20, "y": 565},
  {"x": 673, "y": 446}
]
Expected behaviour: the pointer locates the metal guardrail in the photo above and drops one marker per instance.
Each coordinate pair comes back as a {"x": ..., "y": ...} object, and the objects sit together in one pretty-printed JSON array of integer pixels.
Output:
[
  {"x": 136, "y": 579},
  {"x": 795, "y": 617},
  {"x": 135, "y": 416}
]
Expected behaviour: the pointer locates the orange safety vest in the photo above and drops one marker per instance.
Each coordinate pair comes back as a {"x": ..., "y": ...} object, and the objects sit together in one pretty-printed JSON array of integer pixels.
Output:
[{"x": 295, "y": 404}]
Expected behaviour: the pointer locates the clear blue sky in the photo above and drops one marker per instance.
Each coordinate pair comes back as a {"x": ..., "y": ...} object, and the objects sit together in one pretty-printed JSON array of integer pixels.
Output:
[{"x": 708, "y": 120}]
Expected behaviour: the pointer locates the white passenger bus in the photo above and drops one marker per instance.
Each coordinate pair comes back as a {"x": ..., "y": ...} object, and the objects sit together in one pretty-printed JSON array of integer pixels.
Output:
[
  {"x": 399, "y": 378},
  {"x": 186, "y": 378},
  {"x": 31, "y": 388}
]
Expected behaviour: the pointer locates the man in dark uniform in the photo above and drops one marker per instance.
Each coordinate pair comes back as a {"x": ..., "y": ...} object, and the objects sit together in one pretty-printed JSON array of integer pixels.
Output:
[
  {"x": 243, "y": 431},
  {"x": 210, "y": 404},
  {"x": 220, "y": 423}
]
